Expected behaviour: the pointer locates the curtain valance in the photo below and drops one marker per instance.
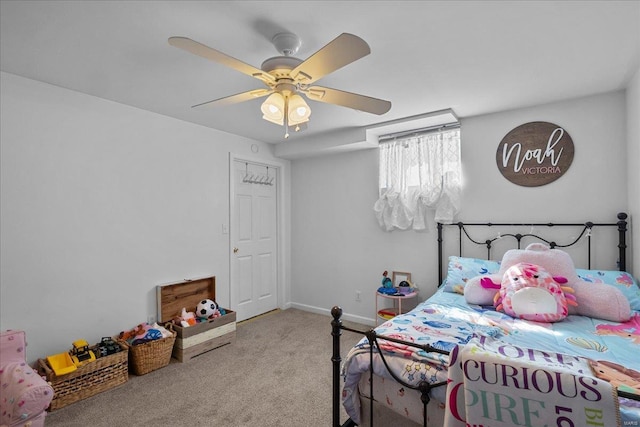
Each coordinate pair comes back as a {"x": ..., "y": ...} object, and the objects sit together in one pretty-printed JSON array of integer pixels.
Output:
[{"x": 418, "y": 174}]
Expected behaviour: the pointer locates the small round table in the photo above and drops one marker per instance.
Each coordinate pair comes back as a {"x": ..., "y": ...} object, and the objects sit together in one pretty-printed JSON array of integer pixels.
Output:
[{"x": 389, "y": 313}]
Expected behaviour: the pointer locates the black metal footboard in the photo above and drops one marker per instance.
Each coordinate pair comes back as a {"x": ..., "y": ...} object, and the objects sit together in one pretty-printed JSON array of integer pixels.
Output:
[
  {"x": 336, "y": 331},
  {"x": 336, "y": 361}
]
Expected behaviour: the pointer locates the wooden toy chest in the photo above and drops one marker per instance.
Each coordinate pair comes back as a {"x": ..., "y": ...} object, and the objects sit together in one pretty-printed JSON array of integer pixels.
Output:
[{"x": 201, "y": 337}]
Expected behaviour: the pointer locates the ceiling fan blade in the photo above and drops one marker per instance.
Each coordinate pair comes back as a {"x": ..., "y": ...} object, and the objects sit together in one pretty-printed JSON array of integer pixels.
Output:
[
  {"x": 234, "y": 99},
  {"x": 222, "y": 58},
  {"x": 348, "y": 99},
  {"x": 339, "y": 52}
]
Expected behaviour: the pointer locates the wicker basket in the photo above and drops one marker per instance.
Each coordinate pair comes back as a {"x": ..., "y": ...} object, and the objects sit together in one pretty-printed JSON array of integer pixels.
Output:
[
  {"x": 152, "y": 355},
  {"x": 89, "y": 379}
]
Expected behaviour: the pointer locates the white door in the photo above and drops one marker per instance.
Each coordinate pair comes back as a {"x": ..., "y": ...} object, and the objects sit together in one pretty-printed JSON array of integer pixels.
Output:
[{"x": 253, "y": 240}]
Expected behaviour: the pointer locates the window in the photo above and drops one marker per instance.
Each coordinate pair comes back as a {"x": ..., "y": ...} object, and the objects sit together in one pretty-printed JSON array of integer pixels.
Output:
[{"x": 419, "y": 173}]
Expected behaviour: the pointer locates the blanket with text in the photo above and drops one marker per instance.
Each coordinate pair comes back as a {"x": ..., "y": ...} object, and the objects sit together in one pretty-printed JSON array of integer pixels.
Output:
[{"x": 496, "y": 384}]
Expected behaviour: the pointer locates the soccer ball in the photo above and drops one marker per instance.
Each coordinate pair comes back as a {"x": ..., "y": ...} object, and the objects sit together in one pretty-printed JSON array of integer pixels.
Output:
[{"x": 206, "y": 308}]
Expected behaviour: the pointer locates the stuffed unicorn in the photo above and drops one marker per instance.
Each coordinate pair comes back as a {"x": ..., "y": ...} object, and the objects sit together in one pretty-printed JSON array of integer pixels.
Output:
[{"x": 597, "y": 300}]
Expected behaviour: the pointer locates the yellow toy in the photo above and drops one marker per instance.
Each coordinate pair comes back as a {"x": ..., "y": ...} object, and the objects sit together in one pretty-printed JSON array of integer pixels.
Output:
[
  {"x": 61, "y": 363},
  {"x": 80, "y": 353}
]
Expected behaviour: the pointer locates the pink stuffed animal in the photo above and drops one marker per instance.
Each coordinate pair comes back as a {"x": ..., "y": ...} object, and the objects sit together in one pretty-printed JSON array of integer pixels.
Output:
[
  {"x": 597, "y": 300},
  {"x": 529, "y": 292}
]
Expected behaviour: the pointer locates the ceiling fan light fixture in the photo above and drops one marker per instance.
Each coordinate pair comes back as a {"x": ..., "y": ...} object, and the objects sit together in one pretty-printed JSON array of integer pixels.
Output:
[
  {"x": 298, "y": 111},
  {"x": 273, "y": 108},
  {"x": 274, "y": 121}
]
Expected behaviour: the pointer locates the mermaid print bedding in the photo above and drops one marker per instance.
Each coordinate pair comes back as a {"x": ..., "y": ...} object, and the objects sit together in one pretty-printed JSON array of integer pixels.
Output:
[{"x": 446, "y": 320}]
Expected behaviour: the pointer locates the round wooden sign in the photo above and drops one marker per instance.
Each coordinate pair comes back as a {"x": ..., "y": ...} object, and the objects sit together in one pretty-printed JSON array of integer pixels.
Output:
[{"x": 535, "y": 154}]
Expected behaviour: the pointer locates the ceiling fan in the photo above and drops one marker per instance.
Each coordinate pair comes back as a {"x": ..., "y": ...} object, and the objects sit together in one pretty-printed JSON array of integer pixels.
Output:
[{"x": 287, "y": 77}]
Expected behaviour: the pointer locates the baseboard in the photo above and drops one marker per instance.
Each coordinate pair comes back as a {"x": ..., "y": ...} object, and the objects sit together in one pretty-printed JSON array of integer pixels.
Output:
[{"x": 327, "y": 312}]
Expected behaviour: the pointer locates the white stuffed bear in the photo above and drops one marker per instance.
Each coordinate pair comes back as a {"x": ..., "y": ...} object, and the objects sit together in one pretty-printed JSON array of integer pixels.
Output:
[{"x": 597, "y": 300}]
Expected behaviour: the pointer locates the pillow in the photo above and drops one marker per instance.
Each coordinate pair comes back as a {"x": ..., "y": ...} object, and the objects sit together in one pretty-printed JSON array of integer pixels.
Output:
[
  {"x": 460, "y": 270},
  {"x": 619, "y": 279}
]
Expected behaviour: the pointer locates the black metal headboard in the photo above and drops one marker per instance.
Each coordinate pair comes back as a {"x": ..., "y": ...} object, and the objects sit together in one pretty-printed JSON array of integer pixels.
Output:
[{"x": 587, "y": 227}]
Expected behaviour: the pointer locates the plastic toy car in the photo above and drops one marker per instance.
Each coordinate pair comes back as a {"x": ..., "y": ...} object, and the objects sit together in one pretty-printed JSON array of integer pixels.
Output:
[
  {"x": 80, "y": 353},
  {"x": 107, "y": 346}
]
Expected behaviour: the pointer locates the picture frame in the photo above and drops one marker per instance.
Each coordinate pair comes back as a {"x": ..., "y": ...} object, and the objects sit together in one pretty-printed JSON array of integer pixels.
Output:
[{"x": 399, "y": 276}]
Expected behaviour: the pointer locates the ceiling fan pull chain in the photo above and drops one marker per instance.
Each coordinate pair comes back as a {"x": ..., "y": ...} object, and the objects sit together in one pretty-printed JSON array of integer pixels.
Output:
[{"x": 286, "y": 117}]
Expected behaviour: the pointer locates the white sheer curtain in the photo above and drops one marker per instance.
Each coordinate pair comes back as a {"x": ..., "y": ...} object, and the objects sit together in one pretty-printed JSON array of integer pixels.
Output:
[{"x": 418, "y": 174}]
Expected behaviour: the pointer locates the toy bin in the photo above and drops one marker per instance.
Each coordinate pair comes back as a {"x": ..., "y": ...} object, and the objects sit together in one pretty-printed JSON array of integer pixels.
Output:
[
  {"x": 87, "y": 380},
  {"x": 200, "y": 338},
  {"x": 152, "y": 355}
]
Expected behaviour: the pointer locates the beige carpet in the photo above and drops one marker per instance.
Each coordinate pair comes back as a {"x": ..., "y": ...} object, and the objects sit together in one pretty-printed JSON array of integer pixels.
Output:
[{"x": 277, "y": 373}]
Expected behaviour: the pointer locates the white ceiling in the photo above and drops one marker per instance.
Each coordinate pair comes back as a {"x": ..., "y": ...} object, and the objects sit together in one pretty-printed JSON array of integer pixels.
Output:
[{"x": 473, "y": 57}]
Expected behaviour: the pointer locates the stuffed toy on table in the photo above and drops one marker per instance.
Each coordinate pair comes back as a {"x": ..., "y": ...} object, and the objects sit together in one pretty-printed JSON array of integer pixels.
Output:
[{"x": 597, "y": 300}]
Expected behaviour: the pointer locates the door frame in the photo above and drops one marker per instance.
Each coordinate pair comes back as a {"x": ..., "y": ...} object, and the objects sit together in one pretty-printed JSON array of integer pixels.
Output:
[{"x": 279, "y": 169}]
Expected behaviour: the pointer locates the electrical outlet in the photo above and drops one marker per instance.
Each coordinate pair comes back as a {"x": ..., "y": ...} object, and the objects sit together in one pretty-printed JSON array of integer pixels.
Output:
[
  {"x": 358, "y": 295},
  {"x": 151, "y": 320}
]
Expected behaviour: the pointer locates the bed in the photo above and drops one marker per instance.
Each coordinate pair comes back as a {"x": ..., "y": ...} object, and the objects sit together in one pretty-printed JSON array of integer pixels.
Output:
[{"x": 402, "y": 378}]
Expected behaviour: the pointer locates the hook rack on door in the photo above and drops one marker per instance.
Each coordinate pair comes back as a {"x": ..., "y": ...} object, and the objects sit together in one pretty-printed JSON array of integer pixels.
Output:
[{"x": 258, "y": 178}]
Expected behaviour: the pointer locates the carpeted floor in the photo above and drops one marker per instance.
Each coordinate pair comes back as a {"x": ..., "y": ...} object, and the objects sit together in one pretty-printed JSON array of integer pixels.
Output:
[{"x": 277, "y": 373}]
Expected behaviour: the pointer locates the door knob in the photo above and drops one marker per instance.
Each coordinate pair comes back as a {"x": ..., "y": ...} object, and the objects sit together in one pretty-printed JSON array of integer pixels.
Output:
[{"x": 235, "y": 250}]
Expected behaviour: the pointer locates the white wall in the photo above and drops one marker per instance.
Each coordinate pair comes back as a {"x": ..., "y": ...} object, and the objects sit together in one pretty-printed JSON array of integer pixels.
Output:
[
  {"x": 594, "y": 185},
  {"x": 101, "y": 202},
  {"x": 338, "y": 247},
  {"x": 633, "y": 166}
]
